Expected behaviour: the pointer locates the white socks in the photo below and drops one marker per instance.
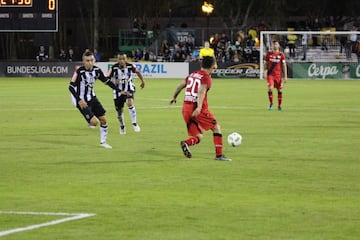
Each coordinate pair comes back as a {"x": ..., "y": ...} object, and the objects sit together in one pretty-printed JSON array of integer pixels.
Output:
[
  {"x": 121, "y": 119},
  {"x": 132, "y": 112},
  {"x": 103, "y": 133}
]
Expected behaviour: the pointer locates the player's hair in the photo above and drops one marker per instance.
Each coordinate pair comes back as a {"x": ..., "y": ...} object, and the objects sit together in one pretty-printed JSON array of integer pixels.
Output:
[
  {"x": 207, "y": 62},
  {"x": 88, "y": 53},
  {"x": 122, "y": 54}
]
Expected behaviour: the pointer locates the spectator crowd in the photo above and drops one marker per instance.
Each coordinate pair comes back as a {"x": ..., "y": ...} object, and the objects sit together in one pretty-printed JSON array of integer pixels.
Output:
[{"x": 242, "y": 47}]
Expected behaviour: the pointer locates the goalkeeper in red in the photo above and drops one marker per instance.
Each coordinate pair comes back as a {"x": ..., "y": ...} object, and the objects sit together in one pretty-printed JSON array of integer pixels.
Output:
[
  {"x": 275, "y": 72},
  {"x": 195, "y": 111}
]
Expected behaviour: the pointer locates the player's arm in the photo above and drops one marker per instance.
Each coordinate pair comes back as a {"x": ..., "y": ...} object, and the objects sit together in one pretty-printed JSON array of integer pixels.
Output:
[
  {"x": 265, "y": 69},
  {"x": 215, "y": 62},
  {"x": 74, "y": 91},
  {"x": 73, "y": 87},
  {"x": 138, "y": 73},
  {"x": 107, "y": 80},
  {"x": 177, "y": 91},
  {"x": 110, "y": 73},
  {"x": 201, "y": 96},
  {"x": 285, "y": 71}
]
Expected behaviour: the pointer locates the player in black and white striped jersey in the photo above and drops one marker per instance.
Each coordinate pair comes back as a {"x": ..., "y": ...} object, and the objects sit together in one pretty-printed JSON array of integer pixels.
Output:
[
  {"x": 122, "y": 74},
  {"x": 84, "y": 98}
]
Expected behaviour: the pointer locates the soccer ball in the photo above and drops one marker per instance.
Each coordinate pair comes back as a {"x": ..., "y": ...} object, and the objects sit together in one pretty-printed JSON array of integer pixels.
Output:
[{"x": 234, "y": 139}]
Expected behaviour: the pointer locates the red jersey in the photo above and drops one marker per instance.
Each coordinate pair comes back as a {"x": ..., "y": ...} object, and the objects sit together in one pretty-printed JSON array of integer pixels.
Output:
[
  {"x": 274, "y": 61},
  {"x": 205, "y": 120},
  {"x": 193, "y": 83}
]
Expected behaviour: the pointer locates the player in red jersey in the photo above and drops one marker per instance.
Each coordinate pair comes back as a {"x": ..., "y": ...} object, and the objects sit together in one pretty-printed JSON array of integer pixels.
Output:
[
  {"x": 274, "y": 66},
  {"x": 195, "y": 110}
]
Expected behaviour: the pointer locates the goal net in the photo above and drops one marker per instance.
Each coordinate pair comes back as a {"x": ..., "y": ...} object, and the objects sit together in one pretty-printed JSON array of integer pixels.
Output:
[{"x": 316, "y": 54}]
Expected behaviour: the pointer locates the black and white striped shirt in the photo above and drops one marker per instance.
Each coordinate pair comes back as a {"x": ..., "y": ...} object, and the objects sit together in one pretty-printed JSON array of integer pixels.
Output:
[
  {"x": 82, "y": 83},
  {"x": 124, "y": 75}
]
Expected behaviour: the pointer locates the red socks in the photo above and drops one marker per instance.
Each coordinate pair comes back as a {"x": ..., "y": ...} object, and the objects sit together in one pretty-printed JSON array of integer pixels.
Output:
[
  {"x": 218, "y": 143},
  {"x": 279, "y": 98},
  {"x": 270, "y": 95},
  {"x": 192, "y": 141}
]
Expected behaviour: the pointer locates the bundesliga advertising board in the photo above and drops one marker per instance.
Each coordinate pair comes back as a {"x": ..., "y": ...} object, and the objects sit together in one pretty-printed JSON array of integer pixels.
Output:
[{"x": 66, "y": 69}]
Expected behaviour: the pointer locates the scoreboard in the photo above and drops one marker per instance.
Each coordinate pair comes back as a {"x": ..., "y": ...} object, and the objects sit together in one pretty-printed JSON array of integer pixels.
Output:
[{"x": 29, "y": 15}]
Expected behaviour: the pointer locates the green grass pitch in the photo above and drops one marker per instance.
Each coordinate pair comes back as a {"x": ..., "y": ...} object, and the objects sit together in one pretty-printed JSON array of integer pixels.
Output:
[{"x": 295, "y": 176}]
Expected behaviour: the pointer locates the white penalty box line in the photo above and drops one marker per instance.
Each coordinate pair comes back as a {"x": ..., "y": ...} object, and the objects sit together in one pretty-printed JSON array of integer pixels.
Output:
[{"x": 68, "y": 217}]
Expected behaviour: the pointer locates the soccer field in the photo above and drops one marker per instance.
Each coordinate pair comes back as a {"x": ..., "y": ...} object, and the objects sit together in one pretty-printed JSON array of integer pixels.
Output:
[{"x": 295, "y": 176}]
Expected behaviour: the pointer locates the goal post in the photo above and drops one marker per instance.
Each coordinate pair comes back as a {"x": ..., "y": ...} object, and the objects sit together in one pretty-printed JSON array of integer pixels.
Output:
[{"x": 328, "y": 53}]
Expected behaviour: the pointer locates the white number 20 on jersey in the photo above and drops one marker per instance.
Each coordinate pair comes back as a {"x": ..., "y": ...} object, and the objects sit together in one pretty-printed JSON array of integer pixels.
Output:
[{"x": 192, "y": 88}]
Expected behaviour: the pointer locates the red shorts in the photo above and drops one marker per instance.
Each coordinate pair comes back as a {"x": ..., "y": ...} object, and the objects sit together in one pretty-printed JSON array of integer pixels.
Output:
[
  {"x": 203, "y": 122},
  {"x": 274, "y": 81}
]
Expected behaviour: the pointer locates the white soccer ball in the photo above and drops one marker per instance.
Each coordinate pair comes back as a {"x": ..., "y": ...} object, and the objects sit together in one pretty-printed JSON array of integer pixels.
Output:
[{"x": 234, "y": 139}]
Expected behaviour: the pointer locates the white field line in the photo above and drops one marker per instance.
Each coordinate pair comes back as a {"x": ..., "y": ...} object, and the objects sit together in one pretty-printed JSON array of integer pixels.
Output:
[{"x": 70, "y": 217}]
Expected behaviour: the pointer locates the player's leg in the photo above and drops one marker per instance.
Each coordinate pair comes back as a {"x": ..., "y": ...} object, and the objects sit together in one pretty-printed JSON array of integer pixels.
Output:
[
  {"x": 270, "y": 85},
  {"x": 279, "y": 86},
  {"x": 132, "y": 112},
  {"x": 120, "y": 117},
  {"x": 207, "y": 121},
  {"x": 218, "y": 142},
  {"x": 280, "y": 97},
  {"x": 99, "y": 112},
  {"x": 194, "y": 131},
  {"x": 94, "y": 121},
  {"x": 195, "y": 136},
  {"x": 103, "y": 132},
  {"x": 119, "y": 107},
  {"x": 89, "y": 116}
]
